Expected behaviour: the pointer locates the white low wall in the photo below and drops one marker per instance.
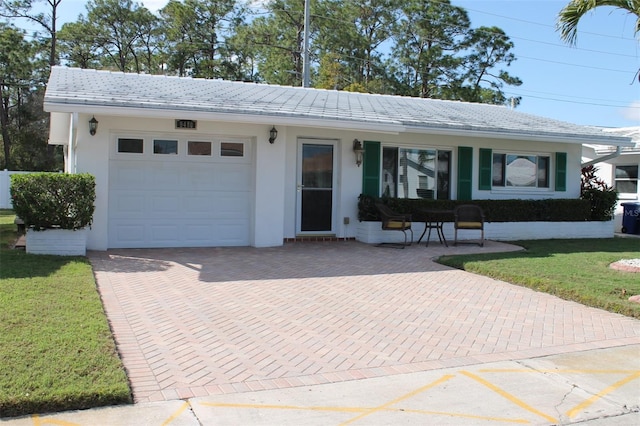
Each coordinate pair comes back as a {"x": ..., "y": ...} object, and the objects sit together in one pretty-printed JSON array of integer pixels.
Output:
[
  {"x": 61, "y": 242},
  {"x": 371, "y": 232}
]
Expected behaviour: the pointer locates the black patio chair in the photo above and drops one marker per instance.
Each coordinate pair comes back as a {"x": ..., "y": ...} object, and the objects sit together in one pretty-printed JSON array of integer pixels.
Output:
[
  {"x": 392, "y": 221},
  {"x": 468, "y": 217}
]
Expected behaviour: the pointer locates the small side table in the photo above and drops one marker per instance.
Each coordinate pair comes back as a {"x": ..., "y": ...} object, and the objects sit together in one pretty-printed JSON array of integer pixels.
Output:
[{"x": 434, "y": 219}]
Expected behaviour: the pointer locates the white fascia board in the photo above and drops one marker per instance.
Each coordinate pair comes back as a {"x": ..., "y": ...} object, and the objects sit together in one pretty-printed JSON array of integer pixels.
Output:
[
  {"x": 577, "y": 139},
  {"x": 373, "y": 127}
]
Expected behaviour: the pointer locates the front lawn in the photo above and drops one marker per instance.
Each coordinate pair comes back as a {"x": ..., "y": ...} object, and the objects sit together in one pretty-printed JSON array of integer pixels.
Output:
[
  {"x": 56, "y": 349},
  {"x": 575, "y": 270}
]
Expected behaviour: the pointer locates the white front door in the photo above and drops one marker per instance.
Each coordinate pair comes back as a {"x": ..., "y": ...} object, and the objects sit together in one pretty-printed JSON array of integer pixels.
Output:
[{"x": 316, "y": 186}]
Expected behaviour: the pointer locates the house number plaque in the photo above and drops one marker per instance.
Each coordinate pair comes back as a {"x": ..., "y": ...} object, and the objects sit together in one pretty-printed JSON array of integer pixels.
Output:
[{"x": 186, "y": 124}]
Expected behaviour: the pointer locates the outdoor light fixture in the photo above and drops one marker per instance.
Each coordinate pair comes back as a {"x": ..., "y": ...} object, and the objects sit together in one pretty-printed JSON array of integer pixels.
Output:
[
  {"x": 358, "y": 150},
  {"x": 93, "y": 126},
  {"x": 273, "y": 134}
]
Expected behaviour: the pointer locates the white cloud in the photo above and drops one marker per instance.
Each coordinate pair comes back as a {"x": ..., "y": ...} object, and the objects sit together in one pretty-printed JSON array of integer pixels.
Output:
[
  {"x": 632, "y": 112},
  {"x": 154, "y": 5}
]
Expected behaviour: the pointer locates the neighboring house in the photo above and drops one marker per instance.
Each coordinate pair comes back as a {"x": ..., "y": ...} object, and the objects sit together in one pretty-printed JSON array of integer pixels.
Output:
[
  {"x": 618, "y": 167},
  {"x": 183, "y": 162}
]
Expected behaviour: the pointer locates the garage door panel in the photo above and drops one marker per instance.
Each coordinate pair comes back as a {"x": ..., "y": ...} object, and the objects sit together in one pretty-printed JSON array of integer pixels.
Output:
[
  {"x": 199, "y": 233},
  {"x": 166, "y": 177},
  {"x": 201, "y": 176},
  {"x": 128, "y": 175},
  {"x": 127, "y": 203},
  {"x": 164, "y": 204},
  {"x": 231, "y": 233},
  {"x": 165, "y": 234},
  {"x": 130, "y": 235},
  {"x": 179, "y": 203},
  {"x": 197, "y": 204},
  {"x": 233, "y": 178},
  {"x": 232, "y": 205}
]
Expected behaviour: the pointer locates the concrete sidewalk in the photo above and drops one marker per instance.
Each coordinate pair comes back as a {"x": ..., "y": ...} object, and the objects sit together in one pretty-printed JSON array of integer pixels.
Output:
[{"x": 597, "y": 387}]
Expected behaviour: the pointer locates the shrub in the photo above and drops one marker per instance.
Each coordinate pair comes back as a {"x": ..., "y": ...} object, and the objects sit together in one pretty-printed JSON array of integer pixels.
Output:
[
  {"x": 54, "y": 200},
  {"x": 601, "y": 196},
  {"x": 547, "y": 210}
]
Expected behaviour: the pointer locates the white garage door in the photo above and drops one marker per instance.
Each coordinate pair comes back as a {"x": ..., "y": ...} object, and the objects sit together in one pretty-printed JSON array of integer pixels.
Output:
[{"x": 179, "y": 193}]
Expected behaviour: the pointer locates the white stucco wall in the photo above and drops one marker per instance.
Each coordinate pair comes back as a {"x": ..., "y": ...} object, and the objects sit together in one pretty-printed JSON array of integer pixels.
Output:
[{"x": 276, "y": 168}]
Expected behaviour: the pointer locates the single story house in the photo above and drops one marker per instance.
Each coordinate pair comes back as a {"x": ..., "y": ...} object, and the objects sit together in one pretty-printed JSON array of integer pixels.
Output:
[
  {"x": 618, "y": 167},
  {"x": 182, "y": 162}
]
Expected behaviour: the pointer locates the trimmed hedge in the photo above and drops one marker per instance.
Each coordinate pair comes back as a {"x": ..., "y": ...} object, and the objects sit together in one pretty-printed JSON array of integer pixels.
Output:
[
  {"x": 54, "y": 200},
  {"x": 547, "y": 210}
]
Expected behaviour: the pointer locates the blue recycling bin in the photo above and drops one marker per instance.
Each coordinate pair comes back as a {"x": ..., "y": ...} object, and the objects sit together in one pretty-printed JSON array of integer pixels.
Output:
[{"x": 631, "y": 218}]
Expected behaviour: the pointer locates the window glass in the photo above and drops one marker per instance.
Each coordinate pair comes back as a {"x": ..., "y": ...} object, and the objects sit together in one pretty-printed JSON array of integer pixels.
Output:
[
  {"x": 127, "y": 145},
  {"x": 520, "y": 170},
  {"x": 416, "y": 173},
  {"x": 444, "y": 175},
  {"x": 499, "y": 161},
  {"x": 626, "y": 172},
  {"x": 389, "y": 171},
  {"x": 198, "y": 148},
  {"x": 162, "y": 146},
  {"x": 543, "y": 172},
  {"x": 626, "y": 179},
  {"x": 231, "y": 149}
]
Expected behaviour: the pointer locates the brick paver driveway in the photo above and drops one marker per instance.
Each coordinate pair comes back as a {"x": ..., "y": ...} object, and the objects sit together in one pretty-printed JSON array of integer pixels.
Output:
[{"x": 197, "y": 322}]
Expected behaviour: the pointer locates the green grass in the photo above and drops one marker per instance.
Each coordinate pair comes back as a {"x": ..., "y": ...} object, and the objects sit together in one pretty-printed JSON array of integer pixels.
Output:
[
  {"x": 56, "y": 349},
  {"x": 575, "y": 270}
]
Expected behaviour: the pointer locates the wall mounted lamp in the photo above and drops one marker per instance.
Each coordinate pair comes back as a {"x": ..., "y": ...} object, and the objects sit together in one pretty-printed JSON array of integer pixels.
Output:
[
  {"x": 93, "y": 126},
  {"x": 358, "y": 150},
  {"x": 273, "y": 134}
]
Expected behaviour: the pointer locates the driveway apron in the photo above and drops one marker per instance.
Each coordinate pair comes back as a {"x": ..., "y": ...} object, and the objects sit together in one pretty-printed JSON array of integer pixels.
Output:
[{"x": 211, "y": 321}]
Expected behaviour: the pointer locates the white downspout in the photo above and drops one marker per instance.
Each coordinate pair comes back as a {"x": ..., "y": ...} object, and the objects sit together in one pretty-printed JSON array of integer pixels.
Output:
[
  {"x": 73, "y": 131},
  {"x": 603, "y": 158}
]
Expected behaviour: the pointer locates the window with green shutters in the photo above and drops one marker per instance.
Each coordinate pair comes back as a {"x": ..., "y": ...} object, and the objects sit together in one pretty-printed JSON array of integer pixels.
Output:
[
  {"x": 509, "y": 170},
  {"x": 495, "y": 170}
]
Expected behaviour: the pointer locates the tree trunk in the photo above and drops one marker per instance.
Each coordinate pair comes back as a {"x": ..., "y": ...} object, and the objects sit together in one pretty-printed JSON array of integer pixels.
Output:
[{"x": 4, "y": 123}]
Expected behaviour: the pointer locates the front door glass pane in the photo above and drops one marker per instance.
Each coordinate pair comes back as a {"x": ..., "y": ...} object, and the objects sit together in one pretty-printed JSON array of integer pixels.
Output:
[{"x": 317, "y": 187}]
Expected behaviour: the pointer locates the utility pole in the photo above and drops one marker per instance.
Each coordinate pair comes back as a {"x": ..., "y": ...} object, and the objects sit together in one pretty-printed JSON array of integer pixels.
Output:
[{"x": 305, "y": 47}]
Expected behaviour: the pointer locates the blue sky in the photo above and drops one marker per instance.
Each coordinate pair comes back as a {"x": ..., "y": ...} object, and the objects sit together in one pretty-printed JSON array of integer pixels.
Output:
[{"x": 591, "y": 83}]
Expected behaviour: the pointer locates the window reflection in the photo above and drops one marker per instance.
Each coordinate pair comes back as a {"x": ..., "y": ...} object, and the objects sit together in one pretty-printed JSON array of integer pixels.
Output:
[{"x": 416, "y": 173}]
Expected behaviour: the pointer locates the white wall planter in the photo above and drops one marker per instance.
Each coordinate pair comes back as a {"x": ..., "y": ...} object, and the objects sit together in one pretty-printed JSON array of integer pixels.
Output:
[
  {"x": 61, "y": 242},
  {"x": 371, "y": 232}
]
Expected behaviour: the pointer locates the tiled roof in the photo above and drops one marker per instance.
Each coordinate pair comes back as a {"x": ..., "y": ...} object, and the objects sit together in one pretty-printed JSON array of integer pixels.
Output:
[
  {"x": 630, "y": 132},
  {"x": 74, "y": 89}
]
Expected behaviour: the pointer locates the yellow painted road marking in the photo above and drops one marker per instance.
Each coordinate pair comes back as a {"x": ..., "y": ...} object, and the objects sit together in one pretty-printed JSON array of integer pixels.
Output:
[
  {"x": 599, "y": 395},
  {"x": 176, "y": 414},
  {"x": 508, "y": 396},
  {"x": 402, "y": 398},
  {"x": 358, "y": 410},
  {"x": 37, "y": 421}
]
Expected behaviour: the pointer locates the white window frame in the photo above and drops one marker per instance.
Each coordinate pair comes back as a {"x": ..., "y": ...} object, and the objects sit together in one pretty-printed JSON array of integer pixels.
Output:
[{"x": 627, "y": 195}]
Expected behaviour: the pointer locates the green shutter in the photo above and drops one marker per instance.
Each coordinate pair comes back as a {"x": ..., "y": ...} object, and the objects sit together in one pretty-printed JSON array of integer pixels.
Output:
[
  {"x": 371, "y": 169},
  {"x": 465, "y": 168},
  {"x": 484, "y": 178},
  {"x": 561, "y": 171}
]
